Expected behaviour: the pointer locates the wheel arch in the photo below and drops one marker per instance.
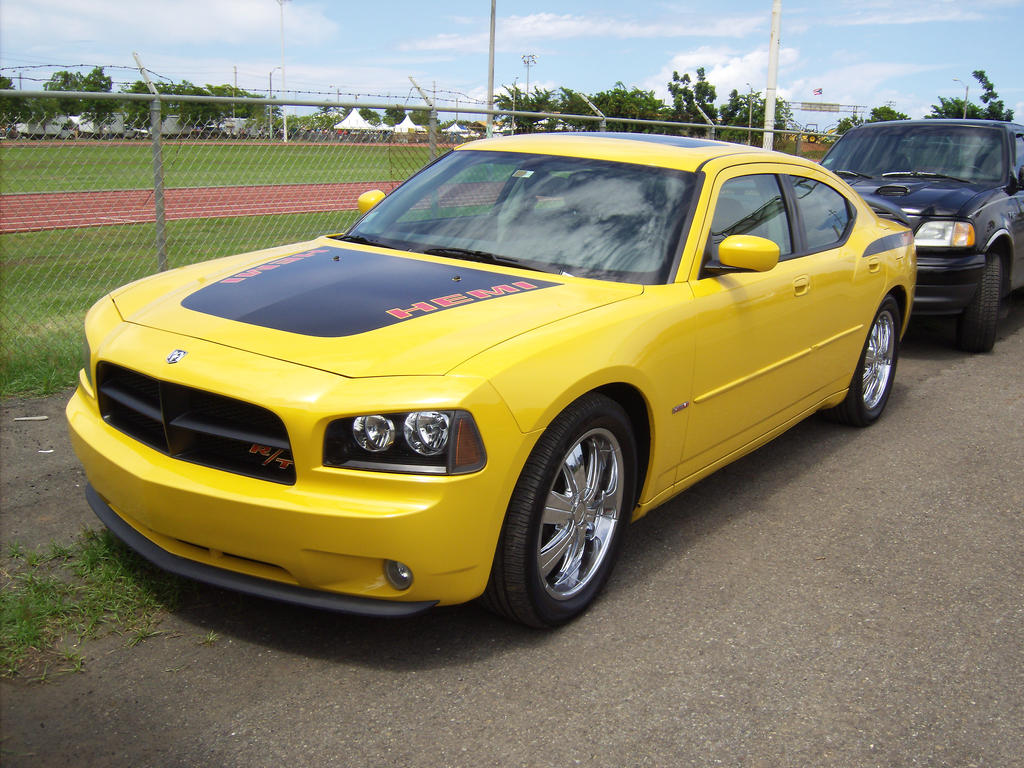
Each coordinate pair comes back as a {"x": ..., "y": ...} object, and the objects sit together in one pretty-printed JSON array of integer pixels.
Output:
[
  {"x": 633, "y": 403},
  {"x": 899, "y": 293},
  {"x": 1001, "y": 245}
]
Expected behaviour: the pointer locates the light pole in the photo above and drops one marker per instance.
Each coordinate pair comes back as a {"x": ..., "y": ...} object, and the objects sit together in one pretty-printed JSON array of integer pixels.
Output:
[
  {"x": 966, "y": 89},
  {"x": 270, "y": 107},
  {"x": 750, "y": 111},
  {"x": 284, "y": 110},
  {"x": 490, "y": 75},
  {"x": 768, "y": 140},
  {"x": 515, "y": 90},
  {"x": 529, "y": 60}
]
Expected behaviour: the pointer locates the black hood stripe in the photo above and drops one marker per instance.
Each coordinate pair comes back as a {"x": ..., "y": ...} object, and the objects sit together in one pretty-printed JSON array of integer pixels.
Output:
[{"x": 332, "y": 292}]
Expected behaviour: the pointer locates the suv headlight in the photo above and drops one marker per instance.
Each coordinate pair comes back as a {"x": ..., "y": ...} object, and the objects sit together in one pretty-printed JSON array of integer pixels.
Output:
[
  {"x": 423, "y": 442},
  {"x": 945, "y": 234}
]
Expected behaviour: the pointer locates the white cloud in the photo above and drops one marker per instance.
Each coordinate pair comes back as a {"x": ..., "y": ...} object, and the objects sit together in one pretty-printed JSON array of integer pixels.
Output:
[
  {"x": 184, "y": 22},
  {"x": 513, "y": 32},
  {"x": 724, "y": 69}
]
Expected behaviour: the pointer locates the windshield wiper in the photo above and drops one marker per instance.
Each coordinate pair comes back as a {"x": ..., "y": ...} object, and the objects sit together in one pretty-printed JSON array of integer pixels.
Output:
[
  {"x": 926, "y": 175},
  {"x": 858, "y": 174},
  {"x": 484, "y": 257},
  {"x": 360, "y": 240}
]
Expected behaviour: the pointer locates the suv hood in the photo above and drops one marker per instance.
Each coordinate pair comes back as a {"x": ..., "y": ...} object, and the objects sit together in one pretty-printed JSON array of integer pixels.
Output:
[
  {"x": 360, "y": 311},
  {"x": 920, "y": 198}
]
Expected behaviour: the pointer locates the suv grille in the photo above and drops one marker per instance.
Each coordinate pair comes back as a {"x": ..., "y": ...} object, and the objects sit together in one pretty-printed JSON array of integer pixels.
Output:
[{"x": 196, "y": 426}]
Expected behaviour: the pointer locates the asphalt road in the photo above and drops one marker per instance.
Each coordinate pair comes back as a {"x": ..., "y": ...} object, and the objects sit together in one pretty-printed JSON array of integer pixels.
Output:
[{"x": 842, "y": 597}]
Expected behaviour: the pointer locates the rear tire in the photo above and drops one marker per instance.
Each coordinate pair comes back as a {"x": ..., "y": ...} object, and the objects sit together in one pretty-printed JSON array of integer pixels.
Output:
[
  {"x": 876, "y": 370},
  {"x": 567, "y": 517},
  {"x": 976, "y": 327}
]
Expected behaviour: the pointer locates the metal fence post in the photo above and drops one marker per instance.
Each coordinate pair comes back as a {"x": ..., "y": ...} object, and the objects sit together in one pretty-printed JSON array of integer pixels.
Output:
[
  {"x": 155, "y": 124},
  {"x": 432, "y": 135}
]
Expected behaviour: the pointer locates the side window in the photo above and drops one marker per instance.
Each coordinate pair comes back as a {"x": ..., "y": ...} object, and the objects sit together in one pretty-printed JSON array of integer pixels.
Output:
[
  {"x": 1019, "y": 163},
  {"x": 750, "y": 205},
  {"x": 825, "y": 214}
]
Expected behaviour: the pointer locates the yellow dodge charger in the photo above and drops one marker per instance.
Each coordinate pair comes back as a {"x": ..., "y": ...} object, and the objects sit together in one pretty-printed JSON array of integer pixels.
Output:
[{"x": 470, "y": 394}]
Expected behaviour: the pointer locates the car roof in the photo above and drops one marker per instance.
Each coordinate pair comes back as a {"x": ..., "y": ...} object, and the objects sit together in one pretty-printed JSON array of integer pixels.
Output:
[
  {"x": 681, "y": 152},
  {"x": 944, "y": 122}
]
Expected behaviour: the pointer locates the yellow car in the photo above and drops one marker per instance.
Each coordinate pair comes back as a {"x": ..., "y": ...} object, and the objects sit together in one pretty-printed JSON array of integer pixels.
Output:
[{"x": 527, "y": 345}]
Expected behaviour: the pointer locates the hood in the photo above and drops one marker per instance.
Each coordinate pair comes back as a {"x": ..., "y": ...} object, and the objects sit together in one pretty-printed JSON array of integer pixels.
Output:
[
  {"x": 360, "y": 311},
  {"x": 920, "y": 198}
]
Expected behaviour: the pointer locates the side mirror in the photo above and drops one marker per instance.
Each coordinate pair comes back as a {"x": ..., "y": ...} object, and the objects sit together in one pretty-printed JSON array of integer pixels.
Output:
[
  {"x": 368, "y": 200},
  {"x": 755, "y": 254}
]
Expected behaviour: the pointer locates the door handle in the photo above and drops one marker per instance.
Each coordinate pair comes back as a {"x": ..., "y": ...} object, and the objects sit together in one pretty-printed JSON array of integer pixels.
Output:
[
  {"x": 874, "y": 264},
  {"x": 801, "y": 285}
]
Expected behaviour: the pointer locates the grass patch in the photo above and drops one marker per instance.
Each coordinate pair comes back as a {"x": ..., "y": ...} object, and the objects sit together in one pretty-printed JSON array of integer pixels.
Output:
[
  {"x": 52, "y": 600},
  {"x": 49, "y": 279},
  {"x": 31, "y": 166}
]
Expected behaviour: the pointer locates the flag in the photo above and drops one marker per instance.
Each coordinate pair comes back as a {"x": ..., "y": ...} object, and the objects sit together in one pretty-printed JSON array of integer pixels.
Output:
[{"x": 816, "y": 91}]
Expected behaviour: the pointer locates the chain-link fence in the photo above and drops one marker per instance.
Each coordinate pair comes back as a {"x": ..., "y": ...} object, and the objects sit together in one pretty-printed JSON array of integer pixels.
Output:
[{"x": 97, "y": 190}]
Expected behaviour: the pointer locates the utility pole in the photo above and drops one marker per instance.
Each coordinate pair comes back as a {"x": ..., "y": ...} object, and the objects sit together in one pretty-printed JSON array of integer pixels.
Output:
[
  {"x": 490, "y": 76},
  {"x": 773, "y": 76},
  {"x": 967, "y": 89},
  {"x": 284, "y": 109},
  {"x": 529, "y": 60}
]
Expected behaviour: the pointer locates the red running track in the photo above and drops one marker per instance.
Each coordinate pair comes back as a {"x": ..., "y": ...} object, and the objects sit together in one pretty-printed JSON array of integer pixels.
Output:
[{"x": 60, "y": 210}]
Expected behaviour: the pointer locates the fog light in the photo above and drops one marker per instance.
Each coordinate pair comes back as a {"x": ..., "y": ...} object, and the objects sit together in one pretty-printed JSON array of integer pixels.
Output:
[{"x": 398, "y": 574}]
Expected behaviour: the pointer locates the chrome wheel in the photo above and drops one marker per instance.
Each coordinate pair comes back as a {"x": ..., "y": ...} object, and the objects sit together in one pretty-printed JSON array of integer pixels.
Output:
[
  {"x": 879, "y": 359},
  {"x": 582, "y": 511}
]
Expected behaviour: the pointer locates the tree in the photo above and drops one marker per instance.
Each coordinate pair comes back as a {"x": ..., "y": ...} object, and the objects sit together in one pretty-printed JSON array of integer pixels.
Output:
[
  {"x": 633, "y": 103},
  {"x": 747, "y": 109},
  {"x": 880, "y": 114},
  {"x": 994, "y": 108},
  {"x": 372, "y": 116},
  {"x": 539, "y": 101},
  {"x": 96, "y": 81},
  {"x": 393, "y": 116},
  {"x": 847, "y": 123},
  {"x": 692, "y": 103}
]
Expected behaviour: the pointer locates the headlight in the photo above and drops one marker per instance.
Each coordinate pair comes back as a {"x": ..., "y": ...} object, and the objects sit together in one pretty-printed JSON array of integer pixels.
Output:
[
  {"x": 424, "y": 442},
  {"x": 945, "y": 234}
]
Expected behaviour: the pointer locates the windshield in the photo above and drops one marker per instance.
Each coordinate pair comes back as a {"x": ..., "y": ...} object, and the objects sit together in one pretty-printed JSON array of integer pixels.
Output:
[
  {"x": 968, "y": 153},
  {"x": 588, "y": 218}
]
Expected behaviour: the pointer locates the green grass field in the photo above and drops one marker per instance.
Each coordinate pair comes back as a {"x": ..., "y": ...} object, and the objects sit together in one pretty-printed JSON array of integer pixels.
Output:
[
  {"x": 98, "y": 165},
  {"x": 49, "y": 279}
]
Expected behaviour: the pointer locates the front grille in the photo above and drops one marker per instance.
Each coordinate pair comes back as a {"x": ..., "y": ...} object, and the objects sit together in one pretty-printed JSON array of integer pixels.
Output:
[{"x": 196, "y": 426}]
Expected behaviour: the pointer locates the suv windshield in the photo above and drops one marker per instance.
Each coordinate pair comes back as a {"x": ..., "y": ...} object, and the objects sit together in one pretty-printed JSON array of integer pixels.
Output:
[
  {"x": 583, "y": 217},
  {"x": 963, "y": 152}
]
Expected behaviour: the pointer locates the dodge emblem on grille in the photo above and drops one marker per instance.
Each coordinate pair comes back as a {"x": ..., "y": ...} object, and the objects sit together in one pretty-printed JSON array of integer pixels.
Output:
[{"x": 176, "y": 355}]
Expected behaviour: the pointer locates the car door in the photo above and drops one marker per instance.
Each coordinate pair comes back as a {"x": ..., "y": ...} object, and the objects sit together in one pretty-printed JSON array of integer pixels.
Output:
[{"x": 758, "y": 364}]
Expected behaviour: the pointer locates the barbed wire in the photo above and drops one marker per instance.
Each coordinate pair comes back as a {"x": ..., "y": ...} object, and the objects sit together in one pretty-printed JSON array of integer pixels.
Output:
[{"x": 442, "y": 96}]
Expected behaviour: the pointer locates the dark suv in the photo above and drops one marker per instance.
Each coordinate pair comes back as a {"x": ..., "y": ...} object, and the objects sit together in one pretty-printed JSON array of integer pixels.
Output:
[{"x": 960, "y": 185}]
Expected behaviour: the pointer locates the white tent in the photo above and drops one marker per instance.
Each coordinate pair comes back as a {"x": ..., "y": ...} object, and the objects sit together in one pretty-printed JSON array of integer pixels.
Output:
[
  {"x": 456, "y": 130},
  {"x": 408, "y": 126},
  {"x": 355, "y": 122}
]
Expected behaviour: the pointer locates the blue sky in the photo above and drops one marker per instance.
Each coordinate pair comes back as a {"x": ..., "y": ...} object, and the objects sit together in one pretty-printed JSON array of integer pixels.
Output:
[{"x": 859, "y": 52}]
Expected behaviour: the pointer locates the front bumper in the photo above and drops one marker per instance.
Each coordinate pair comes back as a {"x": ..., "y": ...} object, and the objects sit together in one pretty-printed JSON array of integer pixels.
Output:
[
  {"x": 241, "y": 582},
  {"x": 332, "y": 532},
  {"x": 946, "y": 284}
]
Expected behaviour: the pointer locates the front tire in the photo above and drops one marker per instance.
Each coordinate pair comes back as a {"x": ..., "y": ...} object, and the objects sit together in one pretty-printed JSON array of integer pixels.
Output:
[
  {"x": 876, "y": 370},
  {"x": 567, "y": 517},
  {"x": 976, "y": 327}
]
